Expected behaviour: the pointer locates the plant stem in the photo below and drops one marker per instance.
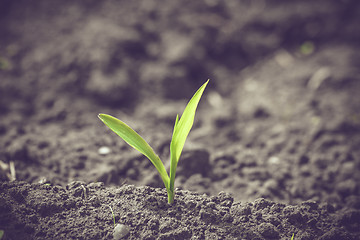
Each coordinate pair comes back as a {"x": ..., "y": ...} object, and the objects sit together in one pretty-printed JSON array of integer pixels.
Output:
[{"x": 170, "y": 197}]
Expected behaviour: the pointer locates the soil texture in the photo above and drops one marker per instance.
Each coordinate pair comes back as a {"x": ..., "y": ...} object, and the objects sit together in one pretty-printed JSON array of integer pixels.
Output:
[{"x": 274, "y": 150}]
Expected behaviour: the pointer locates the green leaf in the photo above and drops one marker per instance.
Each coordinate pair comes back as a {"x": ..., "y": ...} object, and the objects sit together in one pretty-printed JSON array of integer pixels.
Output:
[
  {"x": 292, "y": 238},
  {"x": 181, "y": 131},
  {"x": 182, "y": 128},
  {"x": 184, "y": 125},
  {"x": 137, "y": 142}
]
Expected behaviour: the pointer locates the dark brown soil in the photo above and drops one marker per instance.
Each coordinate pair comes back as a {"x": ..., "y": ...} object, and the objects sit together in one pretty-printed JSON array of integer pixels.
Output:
[{"x": 274, "y": 150}]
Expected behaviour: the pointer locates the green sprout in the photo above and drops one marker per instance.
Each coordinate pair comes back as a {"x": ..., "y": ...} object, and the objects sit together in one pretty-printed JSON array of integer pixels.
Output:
[
  {"x": 307, "y": 48},
  {"x": 1, "y": 233},
  {"x": 113, "y": 215},
  {"x": 4, "y": 64},
  {"x": 181, "y": 130}
]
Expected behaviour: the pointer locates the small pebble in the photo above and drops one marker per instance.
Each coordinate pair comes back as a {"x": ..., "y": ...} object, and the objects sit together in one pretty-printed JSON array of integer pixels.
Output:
[
  {"x": 120, "y": 231},
  {"x": 104, "y": 150},
  {"x": 274, "y": 160}
]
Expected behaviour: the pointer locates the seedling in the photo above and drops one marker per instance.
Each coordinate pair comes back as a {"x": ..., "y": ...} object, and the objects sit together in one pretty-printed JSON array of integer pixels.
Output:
[
  {"x": 181, "y": 130},
  {"x": 113, "y": 215}
]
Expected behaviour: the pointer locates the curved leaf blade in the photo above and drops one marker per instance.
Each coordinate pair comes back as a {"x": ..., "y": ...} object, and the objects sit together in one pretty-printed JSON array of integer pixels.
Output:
[
  {"x": 136, "y": 141},
  {"x": 181, "y": 131},
  {"x": 184, "y": 125}
]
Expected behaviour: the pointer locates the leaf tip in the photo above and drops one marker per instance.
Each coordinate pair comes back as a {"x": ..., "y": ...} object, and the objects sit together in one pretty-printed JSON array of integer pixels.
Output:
[{"x": 103, "y": 116}]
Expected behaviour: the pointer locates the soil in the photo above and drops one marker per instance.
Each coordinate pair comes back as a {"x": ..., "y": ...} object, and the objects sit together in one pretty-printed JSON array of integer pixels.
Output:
[{"x": 274, "y": 151}]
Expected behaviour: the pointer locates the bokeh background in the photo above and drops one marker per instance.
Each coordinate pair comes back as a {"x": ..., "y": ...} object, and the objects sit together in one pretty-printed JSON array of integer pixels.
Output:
[{"x": 280, "y": 118}]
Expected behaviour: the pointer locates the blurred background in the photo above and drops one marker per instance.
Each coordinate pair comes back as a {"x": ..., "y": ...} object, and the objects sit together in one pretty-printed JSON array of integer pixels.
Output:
[{"x": 280, "y": 117}]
